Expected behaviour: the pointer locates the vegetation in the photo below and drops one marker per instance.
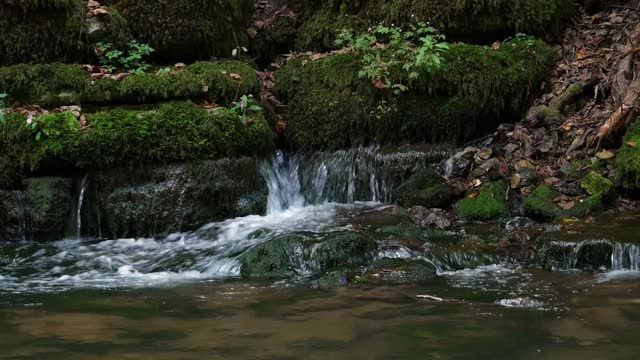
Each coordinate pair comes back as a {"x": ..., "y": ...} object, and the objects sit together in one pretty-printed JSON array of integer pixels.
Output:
[
  {"x": 245, "y": 107},
  {"x": 457, "y": 101},
  {"x": 393, "y": 59},
  {"x": 132, "y": 60},
  {"x": 173, "y": 132},
  {"x": 628, "y": 160},
  {"x": 540, "y": 203},
  {"x": 2, "y": 96},
  {"x": 56, "y": 84},
  {"x": 489, "y": 204}
]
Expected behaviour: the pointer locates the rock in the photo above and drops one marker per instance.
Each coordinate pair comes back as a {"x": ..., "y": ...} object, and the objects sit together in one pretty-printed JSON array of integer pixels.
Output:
[
  {"x": 519, "y": 223},
  {"x": 414, "y": 232},
  {"x": 540, "y": 204},
  {"x": 524, "y": 164},
  {"x": 48, "y": 206},
  {"x": 343, "y": 250},
  {"x": 489, "y": 204},
  {"x": 331, "y": 280},
  {"x": 483, "y": 154},
  {"x": 399, "y": 271},
  {"x": 279, "y": 258},
  {"x": 425, "y": 188},
  {"x": 426, "y": 218},
  {"x": 596, "y": 184},
  {"x": 587, "y": 255},
  {"x": 11, "y": 215}
]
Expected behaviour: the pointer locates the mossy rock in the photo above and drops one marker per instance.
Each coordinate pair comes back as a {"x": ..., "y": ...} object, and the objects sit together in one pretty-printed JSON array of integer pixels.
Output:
[
  {"x": 48, "y": 31},
  {"x": 10, "y": 214},
  {"x": 584, "y": 207},
  {"x": 342, "y": 250},
  {"x": 411, "y": 231},
  {"x": 489, "y": 204},
  {"x": 185, "y": 30},
  {"x": 276, "y": 39},
  {"x": 540, "y": 203},
  {"x": 171, "y": 133},
  {"x": 425, "y": 188},
  {"x": 597, "y": 185},
  {"x": 492, "y": 19},
  {"x": 51, "y": 85},
  {"x": 48, "y": 203},
  {"x": 331, "y": 280},
  {"x": 279, "y": 258},
  {"x": 330, "y": 107},
  {"x": 398, "y": 271},
  {"x": 590, "y": 255},
  {"x": 628, "y": 159}
]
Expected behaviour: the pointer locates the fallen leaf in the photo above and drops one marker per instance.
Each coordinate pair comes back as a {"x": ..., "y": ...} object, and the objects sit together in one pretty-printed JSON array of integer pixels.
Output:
[
  {"x": 632, "y": 144},
  {"x": 474, "y": 195},
  {"x": 582, "y": 54},
  {"x": 605, "y": 155},
  {"x": 495, "y": 45}
]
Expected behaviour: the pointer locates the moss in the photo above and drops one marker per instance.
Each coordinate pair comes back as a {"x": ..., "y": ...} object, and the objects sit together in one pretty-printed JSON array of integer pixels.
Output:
[
  {"x": 628, "y": 160},
  {"x": 182, "y": 30},
  {"x": 58, "y": 84},
  {"x": 46, "y": 31},
  {"x": 48, "y": 207},
  {"x": 343, "y": 250},
  {"x": 490, "y": 204},
  {"x": 278, "y": 258},
  {"x": 540, "y": 203},
  {"x": 173, "y": 132},
  {"x": 596, "y": 184},
  {"x": 491, "y": 18},
  {"x": 584, "y": 207},
  {"x": 412, "y": 231},
  {"x": 330, "y": 107},
  {"x": 426, "y": 188}
]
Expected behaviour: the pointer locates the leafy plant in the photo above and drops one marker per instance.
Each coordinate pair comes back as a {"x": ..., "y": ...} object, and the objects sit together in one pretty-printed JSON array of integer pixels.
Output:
[
  {"x": 38, "y": 127},
  {"x": 238, "y": 50},
  {"x": 244, "y": 107},
  {"x": 393, "y": 58},
  {"x": 2, "y": 97},
  {"x": 132, "y": 60}
]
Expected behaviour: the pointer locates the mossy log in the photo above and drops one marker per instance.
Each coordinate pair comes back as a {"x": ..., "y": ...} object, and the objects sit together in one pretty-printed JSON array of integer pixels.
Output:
[
  {"x": 57, "y": 84},
  {"x": 330, "y": 107}
]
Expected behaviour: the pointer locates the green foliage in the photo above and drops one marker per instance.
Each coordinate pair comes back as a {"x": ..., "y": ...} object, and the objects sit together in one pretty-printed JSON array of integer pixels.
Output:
[
  {"x": 335, "y": 108},
  {"x": 540, "y": 203},
  {"x": 55, "y": 84},
  {"x": 132, "y": 60},
  {"x": 596, "y": 184},
  {"x": 628, "y": 159},
  {"x": 2, "y": 96},
  {"x": 246, "y": 106},
  {"x": 478, "y": 21},
  {"x": 173, "y": 132},
  {"x": 393, "y": 59},
  {"x": 186, "y": 30},
  {"x": 490, "y": 204}
]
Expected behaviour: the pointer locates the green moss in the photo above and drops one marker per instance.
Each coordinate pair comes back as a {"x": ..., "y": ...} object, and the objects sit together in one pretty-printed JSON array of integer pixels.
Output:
[
  {"x": 596, "y": 184},
  {"x": 343, "y": 250},
  {"x": 628, "y": 160},
  {"x": 540, "y": 203},
  {"x": 490, "y": 204},
  {"x": 58, "y": 84},
  {"x": 584, "y": 207},
  {"x": 411, "y": 231},
  {"x": 426, "y": 188},
  {"x": 330, "y": 107},
  {"x": 278, "y": 258},
  {"x": 35, "y": 31},
  {"x": 184, "y": 30},
  {"x": 491, "y": 18},
  {"x": 173, "y": 132}
]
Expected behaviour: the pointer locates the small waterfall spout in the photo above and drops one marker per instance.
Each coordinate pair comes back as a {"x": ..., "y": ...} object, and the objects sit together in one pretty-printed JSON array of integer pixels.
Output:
[{"x": 83, "y": 188}]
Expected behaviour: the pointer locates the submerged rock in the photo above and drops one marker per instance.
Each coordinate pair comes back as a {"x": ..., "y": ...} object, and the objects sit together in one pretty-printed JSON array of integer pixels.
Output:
[
  {"x": 426, "y": 218},
  {"x": 331, "y": 280},
  {"x": 11, "y": 215},
  {"x": 279, "y": 258},
  {"x": 398, "y": 271},
  {"x": 343, "y": 250}
]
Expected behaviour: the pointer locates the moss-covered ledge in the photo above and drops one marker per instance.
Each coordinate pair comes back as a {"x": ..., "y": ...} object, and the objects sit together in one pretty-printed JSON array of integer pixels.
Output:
[
  {"x": 52, "y": 85},
  {"x": 172, "y": 133},
  {"x": 628, "y": 160},
  {"x": 468, "y": 20},
  {"x": 476, "y": 89}
]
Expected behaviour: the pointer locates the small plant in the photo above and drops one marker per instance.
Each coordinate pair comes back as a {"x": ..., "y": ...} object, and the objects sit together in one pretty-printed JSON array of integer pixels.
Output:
[
  {"x": 2, "y": 97},
  {"x": 393, "y": 58},
  {"x": 246, "y": 105},
  {"x": 113, "y": 59},
  {"x": 238, "y": 50},
  {"x": 38, "y": 127}
]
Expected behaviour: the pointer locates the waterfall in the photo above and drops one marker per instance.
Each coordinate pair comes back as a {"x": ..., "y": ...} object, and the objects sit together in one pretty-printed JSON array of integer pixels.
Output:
[
  {"x": 363, "y": 174},
  {"x": 83, "y": 188},
  {"x": 625, "y": 257}
]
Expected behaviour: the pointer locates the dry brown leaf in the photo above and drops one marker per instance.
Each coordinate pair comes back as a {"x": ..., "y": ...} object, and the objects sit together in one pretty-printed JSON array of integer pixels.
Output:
[
  {"x": 582, "y": 54},
  {"x": 474, "y": 195},
  {"x": 632, "y": 144}
]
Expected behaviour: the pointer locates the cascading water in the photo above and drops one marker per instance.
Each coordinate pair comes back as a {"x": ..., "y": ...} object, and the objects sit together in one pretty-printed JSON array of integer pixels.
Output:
[
  {"x": 625, "y": 257},
  {"x": 83, "y": 188},
  {"x": 22, "y": 215}
]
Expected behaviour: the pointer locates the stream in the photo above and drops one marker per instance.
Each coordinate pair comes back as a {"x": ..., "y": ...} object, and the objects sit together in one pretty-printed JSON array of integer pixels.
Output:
[{"x": 181, "y": 296}]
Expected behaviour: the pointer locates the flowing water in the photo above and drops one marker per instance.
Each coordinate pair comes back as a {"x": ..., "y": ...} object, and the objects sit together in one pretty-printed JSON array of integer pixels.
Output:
[{"x": 181, "y": 297}]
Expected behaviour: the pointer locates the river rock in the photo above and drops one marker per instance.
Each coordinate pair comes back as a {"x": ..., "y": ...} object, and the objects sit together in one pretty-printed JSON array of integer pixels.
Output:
[
  {"x": 279, "y": 258},
  {"x": 48, "y": 206},
  {"x": 426, "y": 188},
  {"x": 398, "y": 271},
  {"x": 343, "y": 250},
  {"x": 11, "y": 215},
  {"x": 426, "y": 218}
]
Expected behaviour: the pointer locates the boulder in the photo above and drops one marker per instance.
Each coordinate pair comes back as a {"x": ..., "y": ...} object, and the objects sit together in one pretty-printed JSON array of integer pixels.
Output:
[
  {"x": 426, "y": 218},
  {"x": 278, "y": 258},
  {"x": 425, "y": 188},
  {"x": 489, "y": 204},
  {"x": 48, "y": 206}
]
